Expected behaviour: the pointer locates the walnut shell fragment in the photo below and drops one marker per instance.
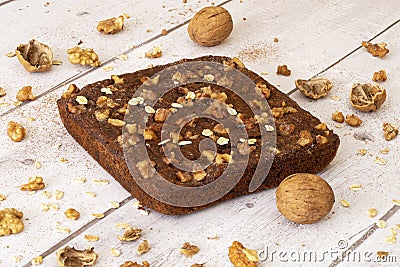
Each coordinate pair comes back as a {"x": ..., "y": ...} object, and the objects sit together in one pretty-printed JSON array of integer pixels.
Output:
[
  {"x": 35, "y": 56},
  {"x": 304, "y": 198},
  {"x": 71, "y": 257},
  {"x": 367, "y": 97},
  {"x": 315, "y": 87},
  {"x": 210, "y": 26},
  {"x": 10, "y": 221}
]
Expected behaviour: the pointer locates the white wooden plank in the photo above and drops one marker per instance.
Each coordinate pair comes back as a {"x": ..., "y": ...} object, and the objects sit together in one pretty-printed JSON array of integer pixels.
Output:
[{"x": 62, "y": 25}]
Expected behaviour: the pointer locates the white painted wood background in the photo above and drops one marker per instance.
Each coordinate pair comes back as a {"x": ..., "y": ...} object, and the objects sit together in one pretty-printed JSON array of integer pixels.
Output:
[{"x": 315, "y": 37}]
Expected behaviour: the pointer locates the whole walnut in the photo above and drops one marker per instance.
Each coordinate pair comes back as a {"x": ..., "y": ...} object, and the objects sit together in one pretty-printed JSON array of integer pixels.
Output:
[
  {"x": 304, "y": 198},
  {"x": 210, "y": 26}
]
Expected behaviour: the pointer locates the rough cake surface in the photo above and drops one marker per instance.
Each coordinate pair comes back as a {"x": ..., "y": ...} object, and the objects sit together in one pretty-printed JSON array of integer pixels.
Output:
[{"x": 135, "y": 141}]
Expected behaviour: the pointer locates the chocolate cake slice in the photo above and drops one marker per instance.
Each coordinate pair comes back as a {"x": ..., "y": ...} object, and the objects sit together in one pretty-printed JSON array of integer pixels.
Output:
[{"x": 184, "y": 136}]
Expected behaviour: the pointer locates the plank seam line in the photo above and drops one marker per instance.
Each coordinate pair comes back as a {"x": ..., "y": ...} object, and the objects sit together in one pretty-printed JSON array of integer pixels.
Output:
[
  {"x": 6, "y": 2},
  {"x": 365, "y": 236},
  {"x": 348, "y": 54},
  {"x": 92, "y": 69},
  {"x": 80, "y": 231}
]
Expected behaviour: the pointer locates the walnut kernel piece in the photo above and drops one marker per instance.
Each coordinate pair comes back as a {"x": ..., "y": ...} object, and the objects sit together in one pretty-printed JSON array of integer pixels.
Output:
[
  {"x": 210, "y": 26},
  {"x": 353, "y": 120},
  {"x": 372, "y": 212},
  {"x": 367, "y": 97},
  {"x": 189, "y": 250},
  {"x": 35, "y": 56},
  {"x": 116, "y": 122},
  {"x": 338, "y": 116},
  {"x": 16, "y": 131},
  {"x": 154, "y": 53},
  {"x": 35, "y": 183},
  {"x": 10, "y": 221},
  {"x": 37, "y": 260},
  {"x": 315, "y": 87},
  {"x": 262, "y": 89},
  {"x": 304, "y": 198},
  {"x": 241, "y": 256},
  {"x": 72, "y": 88},
  {"x": 305, "y": 139},
  {"x": 161, "y": 114},
  {"x": 130, "y": 234},
  {"x": 135, "y": 264},
  {"x": 283, "y": 70},
  {"x": 74, "y": 257},
  {"x": 390, "y": 131},
  {"x": 111, "y": 26},
  {"x": 184, "y": 177},
  {"x": 92, "y": 238},
  {"x": 77, "y": 55},
  {"x": 379, "y": 76},
  {"x": 286, "y": 129},
  {"x": 25, "y": 94},
  {"x": 72, "y": 214},
  {"x": 377, "y": 50},
  {"x": 102, "y": 115},
  {"x": 2, "y": 92},
  {"x": 143, "y": 247}
]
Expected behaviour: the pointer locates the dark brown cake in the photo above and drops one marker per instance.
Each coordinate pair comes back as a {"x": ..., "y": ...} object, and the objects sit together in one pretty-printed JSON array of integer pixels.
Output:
[{"x": 174, "y": 108}]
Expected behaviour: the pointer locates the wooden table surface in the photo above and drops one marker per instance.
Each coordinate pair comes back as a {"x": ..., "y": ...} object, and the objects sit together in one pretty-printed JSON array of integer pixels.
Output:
[{"x": 315, "y": 38}]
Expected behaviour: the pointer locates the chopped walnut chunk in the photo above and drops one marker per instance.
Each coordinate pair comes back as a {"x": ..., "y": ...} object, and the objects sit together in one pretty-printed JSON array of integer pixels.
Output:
[
  {"x": 154, "y": 53},
  {"x": 379, "y": 76},
  {"x": 223, "y": 158},
  {"x": 161, "y": 114},
  {"x": 372, "y": 212},
  {"x": 16, "y": 131},
  {"x": 353, "y": 120},
  {"x": 37, "y": 260},
  {"x": 10, "y": 221},
  {"x": 286, "y": 129},
  {"x": 72, "y": 214},
  {"x": 25, "y": 94},
  {"x": 377, "y": 50},
  {"x": 116, "y": 122},
  {"x": 305, "y": 139},
  {"x": 220, "y": 129},
  {"x": 184, "y": 177},
  {"x": 135, "y": 264},
  {"x": 143, "y": 247},
  {"x": 262, "y": 89},
  {"x": 35, "y": 183},
  {"x": 283, "y": 70},
  {"x": 390, "y": 131},
  {"x": 241, "y": 256},
  {"x": 321, "y": 140},
  {"x": 199, "y": 176},
  {"x": 102, "y": 115},
  {"x": 145, "y": 168},
  {"x": 91, "y": 238},
  {"x": 130, "y": 234},
  {"x": 338, "y": 116},
  {"x": 77, "y": 55},
  {"x": 189, "y": 250},
  {"x": 2, "y": 92},
  {"x": 111, "y": 26}
]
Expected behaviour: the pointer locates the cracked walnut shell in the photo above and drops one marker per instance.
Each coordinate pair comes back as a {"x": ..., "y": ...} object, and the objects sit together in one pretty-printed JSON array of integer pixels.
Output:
[
  {"x": 35, "y": 56},
  {"x": 241, "y": 256},
  {"x": 367, "y": 97},
  {"x": 304, "y": 198},
  {"x": 315, "y": 87},
  {"x": 68, "y": 257},
  {"x": 111, "y": 26},
  {"x": 210, "y": 26},
  {"x": 10, "y": 221}
]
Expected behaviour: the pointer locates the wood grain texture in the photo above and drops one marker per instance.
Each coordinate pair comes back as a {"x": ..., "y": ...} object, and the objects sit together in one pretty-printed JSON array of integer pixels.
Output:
[{"x": 312, "y": 35}]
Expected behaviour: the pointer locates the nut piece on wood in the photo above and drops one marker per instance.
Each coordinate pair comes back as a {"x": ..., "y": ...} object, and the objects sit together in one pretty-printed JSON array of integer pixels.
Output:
[
  {"x": 315, "y": 87},
  {"x": 338, "y": 116},
  {"x": 353, "y": 120},
  {"x": 111, "y": 26},
  {"x": 87, "y": 56},
  {"x": 35, "y": 56},
  {"x": 379, "y": 76},
  {"x": 283, "y": 70},
  {"x": 304, "y": 198},
  {"x": 390, "y": 131},
  {"x": 241, "y": 256},
  {"x": 135, "y": 264},
  {"x": 10, "y": 221},
  {"x": 367, "y": 97},
  {"x": 25, "y": 94},
  {"x": 210, "y": 26},
  {"x": 16, "y": 131},
  {"x": 376, "y": 50},
  {"x": 73, "y": 257}
]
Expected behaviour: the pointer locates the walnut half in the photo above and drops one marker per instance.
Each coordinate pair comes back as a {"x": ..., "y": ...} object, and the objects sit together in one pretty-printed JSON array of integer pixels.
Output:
[
  {"x": 367, "y": 97},
  {"x": 315, "y": 87},
  {"x": 77, "y": 55},
  {"x": 35, "y": 56},
  {"x": 68, "y": 256},
  {"x": 10, "y": 221}
]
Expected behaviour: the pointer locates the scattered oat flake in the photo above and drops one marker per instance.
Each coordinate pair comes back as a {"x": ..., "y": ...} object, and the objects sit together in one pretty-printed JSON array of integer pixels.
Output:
[
  {"x": 92, "y": 238},
  {"x": 80, "y": 180},
  {"x": 114, "y": 204},
  {"x": 108, "y": 68},
  {"x": 122, "y": 57},
  {"x": 336, "y": 98},
  {"x": 391, "y": 239},
  {"x": 264, "y": 73},
  {"x": 54, "y": 206},
  {"x": 356, "y": 187},
  {"x": 232, "y": 111},
  {"x": 398, "y": 226},
  {"x": 92, "y": 194},
  {"x": 149, "y": 109},
  {"x": 380, "y": 161},
  {"x": 384, "y": 151},
  {"x": 164, "y": 142},
  {"x": 37, "y": 260},
  {"x": 222, "y": 141},
  {"x": 63, "y": 230},
  {"x": 46, "y": 194},
  {"x": 269, "y": 128},
  {"x": 345, "y": 203},
  {"x": 176, "y": 105},
  {"x": 101, "y": 182},
  {"x": 122, "y": 225},
  {"x": 63, "y": 160},
  {"x": 82, "y": 100},
  {"x": 183, "y": 143},
  {"x": 396, "y": 202},
  {"x": 252, "y": 141},
  {"x": 381, "y": 224},
  {"x": 115, "y": 252},
  {"x": 38, "y": 165},
  {"x": 393, "y": 231},
  {"x": 207, "y": 132},
  {"x": 16, "y": 258},
  {"x": 58, "y": 194},
  {"x": 56, "y": 62},
  {"x": 44, "y": 207},
  {"x": 372, "y": 212},
  {"x": 98, "y": 215},
  {"x": 362, "y": 152}
]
